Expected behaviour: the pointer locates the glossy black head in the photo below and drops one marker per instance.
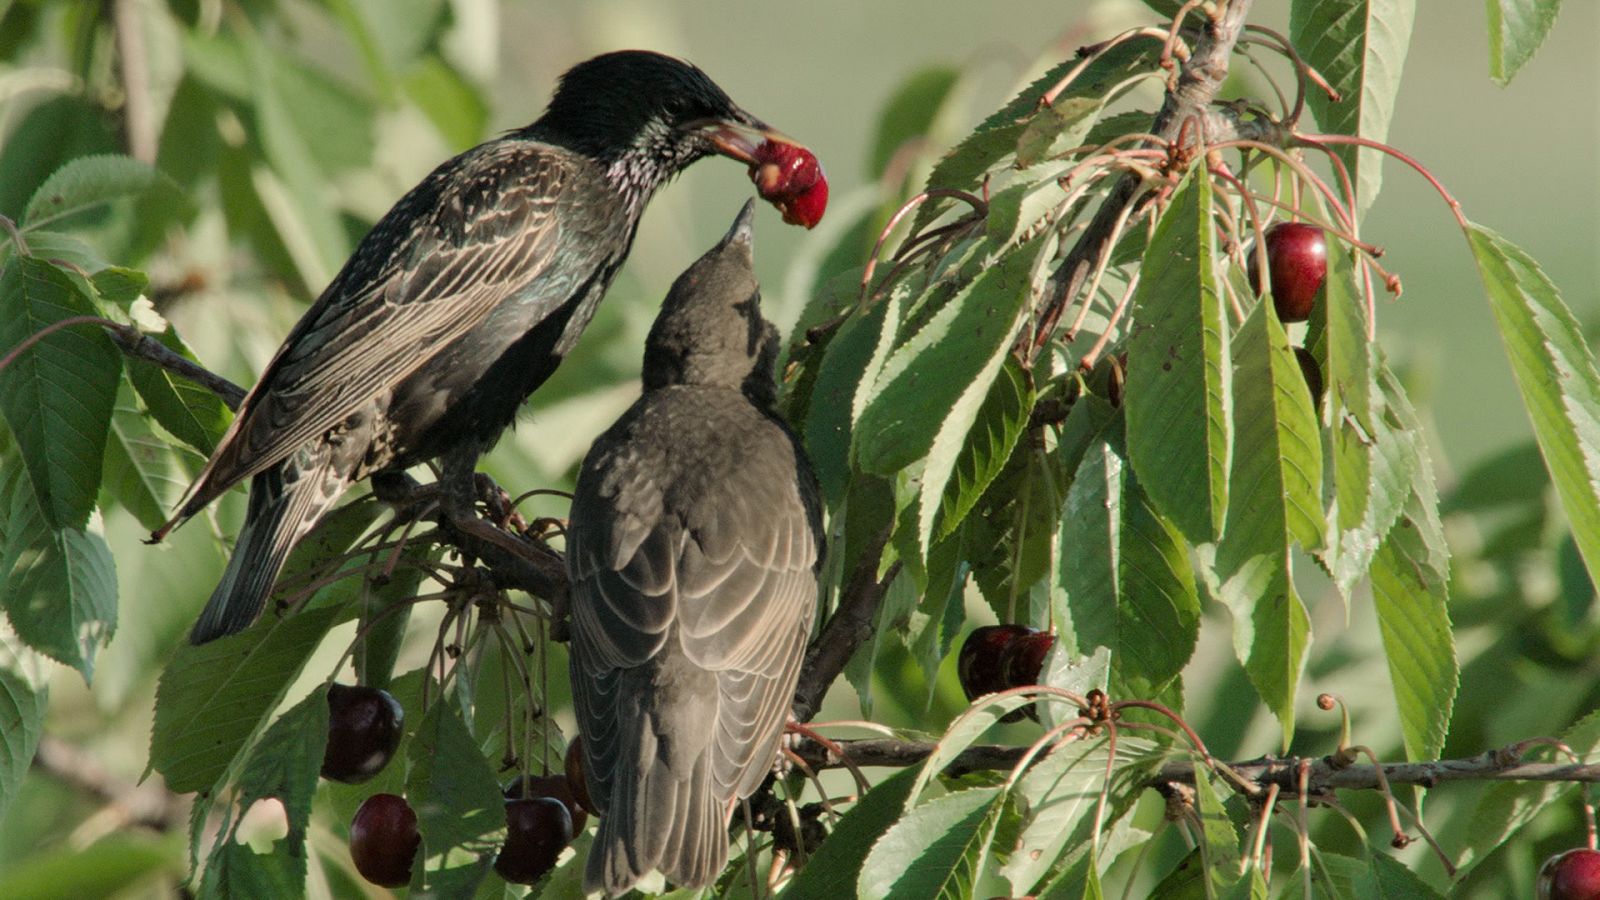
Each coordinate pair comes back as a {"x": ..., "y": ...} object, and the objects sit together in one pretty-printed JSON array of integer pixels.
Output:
[
  {"x": 710, "y": 330},
  {"x": 635, "y": 102}
]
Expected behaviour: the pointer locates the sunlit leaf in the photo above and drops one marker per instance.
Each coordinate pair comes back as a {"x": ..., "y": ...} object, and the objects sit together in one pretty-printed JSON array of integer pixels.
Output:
[
  {"x": 1555, "y": 372},
  {"x": 834, "y": 867},
  {"x": 1178, "y": 401},
  {"x": 1360, "y": 47},
  {"x": 1277, "y": 471},
  {"x": 934, "y": 851},
  {"x": 1516, "y": 30},
  {"x": 215, "y": 698},
  {"x": 935, "y": 382}
]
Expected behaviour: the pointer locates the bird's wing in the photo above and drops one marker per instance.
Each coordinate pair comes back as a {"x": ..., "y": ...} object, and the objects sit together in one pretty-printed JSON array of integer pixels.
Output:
[
  {"x": 471, "y": 235},
  {"x": 729, "y": 580}
]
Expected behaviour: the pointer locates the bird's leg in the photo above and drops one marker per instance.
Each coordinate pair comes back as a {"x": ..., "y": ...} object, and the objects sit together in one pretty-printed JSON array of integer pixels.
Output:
[
  {"x": 458, "y": 497},
  {"x": 498, "y": 502}
]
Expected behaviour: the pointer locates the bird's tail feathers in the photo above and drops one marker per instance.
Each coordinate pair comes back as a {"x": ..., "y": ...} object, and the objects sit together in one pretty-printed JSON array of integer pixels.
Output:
[
  {"x": 677, "y": 827},
  {"x": 283, "y": 507}
]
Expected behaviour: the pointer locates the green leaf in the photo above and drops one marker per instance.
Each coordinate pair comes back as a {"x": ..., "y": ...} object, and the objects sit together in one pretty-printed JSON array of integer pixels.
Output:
[
  {"x": 234, "y": 870},
  {"x": 451, "y": 785},
  {"x": 58, "y": 395},
  {"x": 22, "y": 709},
  {"x": 1555, "y": 372},
  {"x": 849, "y": 366},
  {"x": 1159, "y": 616},
  {"x": 90, "y": 181},
  {"x": 1058, "y": 127},
  {"x": 1219, "y": 839},
  {"x": 1516, "y": 29},
  {"x": 138, "y": 466},
  {"x": 1062, "y": 790},
  {"x": 833, "y": 869},
  {"x": 910, "y": 112},
  {"x": 1013, "y": 531},
  {"x": 1277, "y": 469},
  {"x": 286, "y": 764},
  {"x": 1129, "y": 583},
  {"x": 193, "y": 414},
  {"x": 215, "y": 698},
  {"x": 962, "y": 733},
  {"x": 936, "y": 849},
  {"x": 1177, "y": 406},
  {"x": 1411, "y": 590},
  {"x": 119, "y": 284},
  {"x": 1360, "y": 47},
  {"x": 996, "y": 137},
  {"x": 1373, "y": 461},
  {"x": 989, "y": 444},
  {"x": 933, "y": 384},
  {"x": 61, "y": 596}
]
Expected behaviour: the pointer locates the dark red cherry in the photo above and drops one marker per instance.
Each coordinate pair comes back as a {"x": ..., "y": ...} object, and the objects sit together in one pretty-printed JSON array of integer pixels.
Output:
[
  {"x": 789, "y": 177},
  {"x": 364, "y": 727},
  {"x": 384, "y": 840},
  {"x": 1573, "y": 875},
  {"x": 556, "y": 787},
  {"x": 980, "y": 665},
  {"x": 1024, "y": 659},
  {"x": 1297, "y": 257},
  {"x": 537, "y": 829}
]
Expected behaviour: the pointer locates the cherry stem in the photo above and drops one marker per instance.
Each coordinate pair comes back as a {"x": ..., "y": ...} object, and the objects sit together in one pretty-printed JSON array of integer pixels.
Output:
[
  {"x": 1418, "y": 167},
  {"x": 978, "y": 204},
  {"x": 1094, "y": 53}
]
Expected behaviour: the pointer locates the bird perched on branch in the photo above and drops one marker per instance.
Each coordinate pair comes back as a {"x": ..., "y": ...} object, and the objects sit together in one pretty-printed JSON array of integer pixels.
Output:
[
  {"x": 459, "y": 303},
  {"x": 693, "y": 547}
]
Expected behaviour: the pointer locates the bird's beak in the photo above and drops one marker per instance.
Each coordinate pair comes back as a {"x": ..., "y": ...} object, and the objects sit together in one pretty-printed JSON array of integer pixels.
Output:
[
  {"x": 738, "y": 140},
  {"x": 743, "y": 230}
]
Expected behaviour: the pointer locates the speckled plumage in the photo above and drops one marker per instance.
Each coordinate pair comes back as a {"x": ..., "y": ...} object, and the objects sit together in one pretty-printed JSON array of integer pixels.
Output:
[
  {"x": 693, "y": 547},
  {"x": 459, "y": 303}
]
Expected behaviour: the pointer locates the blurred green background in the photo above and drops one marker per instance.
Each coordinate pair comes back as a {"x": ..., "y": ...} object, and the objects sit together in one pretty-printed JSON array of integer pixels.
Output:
[{"x": 1524, "y": 160}]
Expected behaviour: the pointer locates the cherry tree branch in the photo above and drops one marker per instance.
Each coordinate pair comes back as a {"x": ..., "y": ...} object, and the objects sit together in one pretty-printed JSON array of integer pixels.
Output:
[
  {"x": 1326, "y": 774},
  {"x": 1199, "y": 79}
]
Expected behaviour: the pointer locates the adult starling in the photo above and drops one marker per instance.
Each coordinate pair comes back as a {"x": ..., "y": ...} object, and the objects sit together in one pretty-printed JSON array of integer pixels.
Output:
[
  {"x": 457, "y": 305},
  {"x": 693, "y": 548}
]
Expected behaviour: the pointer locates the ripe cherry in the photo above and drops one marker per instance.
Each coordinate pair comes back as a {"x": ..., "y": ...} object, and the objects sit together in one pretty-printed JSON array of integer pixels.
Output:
[
  {"x": 364, "y": 727},
  {"x": 384, "y": 839},
  {"x": 789, "y": 177},
  {"x": 576, "y": 780},
  {"x": 554, "y": 786},
  {"x": 1573, "y": 875},
  {"x": 980, "y": 665},
  {"x": 1297, "y": 257},
  {"x": 537, "y": 829},
  {"x": 1024, "y": 659}
]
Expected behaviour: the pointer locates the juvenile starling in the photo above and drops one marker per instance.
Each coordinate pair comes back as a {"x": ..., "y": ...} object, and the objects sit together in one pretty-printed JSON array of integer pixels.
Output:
[
  {"x": 455, "y": 307},
  {"x": 693, "y": 547}
]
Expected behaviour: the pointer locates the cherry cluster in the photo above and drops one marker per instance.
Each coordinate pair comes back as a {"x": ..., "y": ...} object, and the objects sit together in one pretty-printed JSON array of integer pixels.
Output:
[{"x": 543, "y": 812}]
